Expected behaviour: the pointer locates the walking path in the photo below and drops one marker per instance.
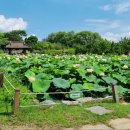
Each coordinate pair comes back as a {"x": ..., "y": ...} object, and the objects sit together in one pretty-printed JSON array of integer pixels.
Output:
[{"x": 114, "y": 124}]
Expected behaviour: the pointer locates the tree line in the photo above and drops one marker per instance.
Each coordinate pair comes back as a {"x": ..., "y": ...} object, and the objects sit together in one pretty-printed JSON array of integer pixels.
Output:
[{"x": 68, "y": 43}]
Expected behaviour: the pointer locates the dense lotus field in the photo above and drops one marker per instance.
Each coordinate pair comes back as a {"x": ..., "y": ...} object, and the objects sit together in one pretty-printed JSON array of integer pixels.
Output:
[{"x": 83, "y": 75}]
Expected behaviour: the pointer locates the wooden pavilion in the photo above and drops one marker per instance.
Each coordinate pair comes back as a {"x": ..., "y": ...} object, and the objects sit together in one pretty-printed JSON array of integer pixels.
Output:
[{"x": 17, "y": 48}]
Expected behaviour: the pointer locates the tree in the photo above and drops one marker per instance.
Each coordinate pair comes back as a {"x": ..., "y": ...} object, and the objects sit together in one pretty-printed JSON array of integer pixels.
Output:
[
  {"x": 125, "y": 45},
  {"x": 64, "y": 38},
  {"x": 16, "y": 35},
  {"x": 3, "y": 41},
  {"x": 85, "y": 40},
  {"x": 101, "y": 46},
  {"x": 32, "y": 40}
]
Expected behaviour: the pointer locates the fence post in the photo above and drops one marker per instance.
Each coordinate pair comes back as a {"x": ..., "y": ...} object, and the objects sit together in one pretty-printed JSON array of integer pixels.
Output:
[
  {"x": 1, "y": 79},
  {"x": 115, "y": 93},
  {"x": 16, "y": 101}
]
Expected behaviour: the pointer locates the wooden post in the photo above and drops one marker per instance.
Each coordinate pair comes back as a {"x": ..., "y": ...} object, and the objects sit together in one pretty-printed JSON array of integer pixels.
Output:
[
  {"x": 1, "y": 79},
  {"x": 16, "y": 101},
  {"x": 115, "y": 93}
]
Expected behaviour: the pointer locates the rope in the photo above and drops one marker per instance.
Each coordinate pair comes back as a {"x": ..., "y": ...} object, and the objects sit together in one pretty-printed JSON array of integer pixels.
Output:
[
  {"x": 9, "y": 82},
  {"x": 58, "y": 92},
  {"x": 61, "y": 92},
  {"x": 39, "y": 105},
  {"x": 7, "y": 90}
]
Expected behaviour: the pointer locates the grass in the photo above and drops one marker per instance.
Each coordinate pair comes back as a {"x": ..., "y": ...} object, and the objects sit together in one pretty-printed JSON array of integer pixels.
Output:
[
  {"x": 62, "y": 115},
  {"x": 58, "y": 115}
]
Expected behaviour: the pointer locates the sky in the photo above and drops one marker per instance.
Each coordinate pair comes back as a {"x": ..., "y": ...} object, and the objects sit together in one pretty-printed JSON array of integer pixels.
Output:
[{"x": 110, "y": 18}]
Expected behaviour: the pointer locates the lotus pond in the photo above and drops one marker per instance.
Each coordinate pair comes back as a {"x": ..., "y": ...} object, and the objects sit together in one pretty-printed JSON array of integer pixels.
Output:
[{"x": 83, "y": 75}]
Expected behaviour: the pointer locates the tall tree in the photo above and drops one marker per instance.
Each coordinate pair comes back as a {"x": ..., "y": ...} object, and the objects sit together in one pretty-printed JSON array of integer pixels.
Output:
[
  {"x": 86, "y": 40},
  {"x": 3, "y": 41},
  {"x": 65, "y": 38},
  {"x": 16, "y": 35},
  {"x": 32, "y": 40},
  {"x": 125, "y": 45}
]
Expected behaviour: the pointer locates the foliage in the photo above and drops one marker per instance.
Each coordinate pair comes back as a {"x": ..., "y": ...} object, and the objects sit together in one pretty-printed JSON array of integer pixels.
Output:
[
  {"x": 72, "y": 42},
  {"x": 3, "y": 41},
  {"x": 31, "y": 40},
  {"x": 16, "y": 35},
  {"x": 53, "y": 48},
  {"x": 83, "y": 42},
  {"x": 65, "y": 38},
  {"x": 89, "y": 42},
  {"x": 93, "y": 74},
  {"x": 125, "y": 45},
  {"x": 43, "y": 46}
]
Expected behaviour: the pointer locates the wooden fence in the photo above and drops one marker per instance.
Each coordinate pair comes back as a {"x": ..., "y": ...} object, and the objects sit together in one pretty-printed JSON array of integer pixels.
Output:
[{"x": 16, "y": 97}]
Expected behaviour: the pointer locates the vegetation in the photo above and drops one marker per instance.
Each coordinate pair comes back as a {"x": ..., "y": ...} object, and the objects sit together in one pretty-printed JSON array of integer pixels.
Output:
[
  {"x": 31, "y": 40},
  {"x": 16, "y": 35},
  {"x": 54, "y": 116},
  {"x": 59, "y": 115},
  {"x": 3, "y": 41},
  {"x": 83, "y": 75},
  {"x": 90, "y": 75},
  {"x": 70, "y": 42}
]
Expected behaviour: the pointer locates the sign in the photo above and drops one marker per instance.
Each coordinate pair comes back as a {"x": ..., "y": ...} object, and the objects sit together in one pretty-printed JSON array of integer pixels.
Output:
[{"x": 75, "y": 95}]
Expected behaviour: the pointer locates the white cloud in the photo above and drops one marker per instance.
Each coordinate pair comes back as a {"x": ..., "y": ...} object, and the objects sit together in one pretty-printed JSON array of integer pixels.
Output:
[
  {"x": 96, "y": 21},
  {"x": 122, "y": 7},
  {"x": 102, "y": 24},
  {"x": 111, "y": 36},
  {"x": 106, "y": 7},
  {"x": 111, "y": 30},
  {"x": 118, "y": 8},
  {"x": 8, "y": 24},
  {"x": 115, "y": 36}
]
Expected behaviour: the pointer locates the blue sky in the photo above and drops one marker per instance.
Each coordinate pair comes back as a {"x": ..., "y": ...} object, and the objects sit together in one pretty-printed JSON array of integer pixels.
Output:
[{"x": 110, "y": 18}]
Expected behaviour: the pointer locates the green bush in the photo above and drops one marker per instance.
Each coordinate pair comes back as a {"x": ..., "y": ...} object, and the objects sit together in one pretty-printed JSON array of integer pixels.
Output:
[
  {"x": 53, "y": 52},
  {"x": 1, "y": 51},
  {"x": 69, "y": 51},
  {"x": 59, "y": 52}
]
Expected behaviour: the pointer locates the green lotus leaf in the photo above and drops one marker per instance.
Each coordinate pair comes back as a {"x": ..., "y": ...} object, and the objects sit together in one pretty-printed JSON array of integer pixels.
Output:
[
  {"x": 122, "y": 90},
  {"x": 88, "y": 86},
  {"x": 41, "y": 85},
  {"x": 41, "y": 76},
  {"x": 61, "y": 83},
  {"x": 29, "y": 74},
  {"x": 76, "y": 87},
  {"x": 109, "y": 80},
  {"x": 122, "y": 79}
]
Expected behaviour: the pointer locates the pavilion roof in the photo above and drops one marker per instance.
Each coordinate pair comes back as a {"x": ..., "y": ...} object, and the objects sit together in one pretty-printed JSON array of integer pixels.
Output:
[{"x": 17, "y": 45}]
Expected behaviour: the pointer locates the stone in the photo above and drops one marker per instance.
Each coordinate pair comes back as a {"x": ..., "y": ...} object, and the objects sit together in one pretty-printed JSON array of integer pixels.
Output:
[
  {"x": 35, "y": 100},
  {"x": 99, "y": 110},
  {"x": 120, "y": 124},
  {"x": 96, "y": 127},
  {"x": 128, "y": 116},
  {"x": 108, "y": 97},
  {"x": 70, "y": 102},
  {"x": 86, "y": 99},
  {"x": 125, "y": 103},
  {"x": 48, "y": 102},
  {"x": 20, "y": 128},
  {"x": 69, "y": 129}
]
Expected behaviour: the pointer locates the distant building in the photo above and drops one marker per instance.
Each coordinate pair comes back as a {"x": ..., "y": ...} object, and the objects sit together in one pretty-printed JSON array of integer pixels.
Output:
[{"x": 17, "y": 48}]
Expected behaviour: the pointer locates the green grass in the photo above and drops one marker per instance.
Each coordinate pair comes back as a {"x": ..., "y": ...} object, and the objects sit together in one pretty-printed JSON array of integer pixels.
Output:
[
  {"x": 54, "y": 116},
  {"x": 62, "y": 115}
]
